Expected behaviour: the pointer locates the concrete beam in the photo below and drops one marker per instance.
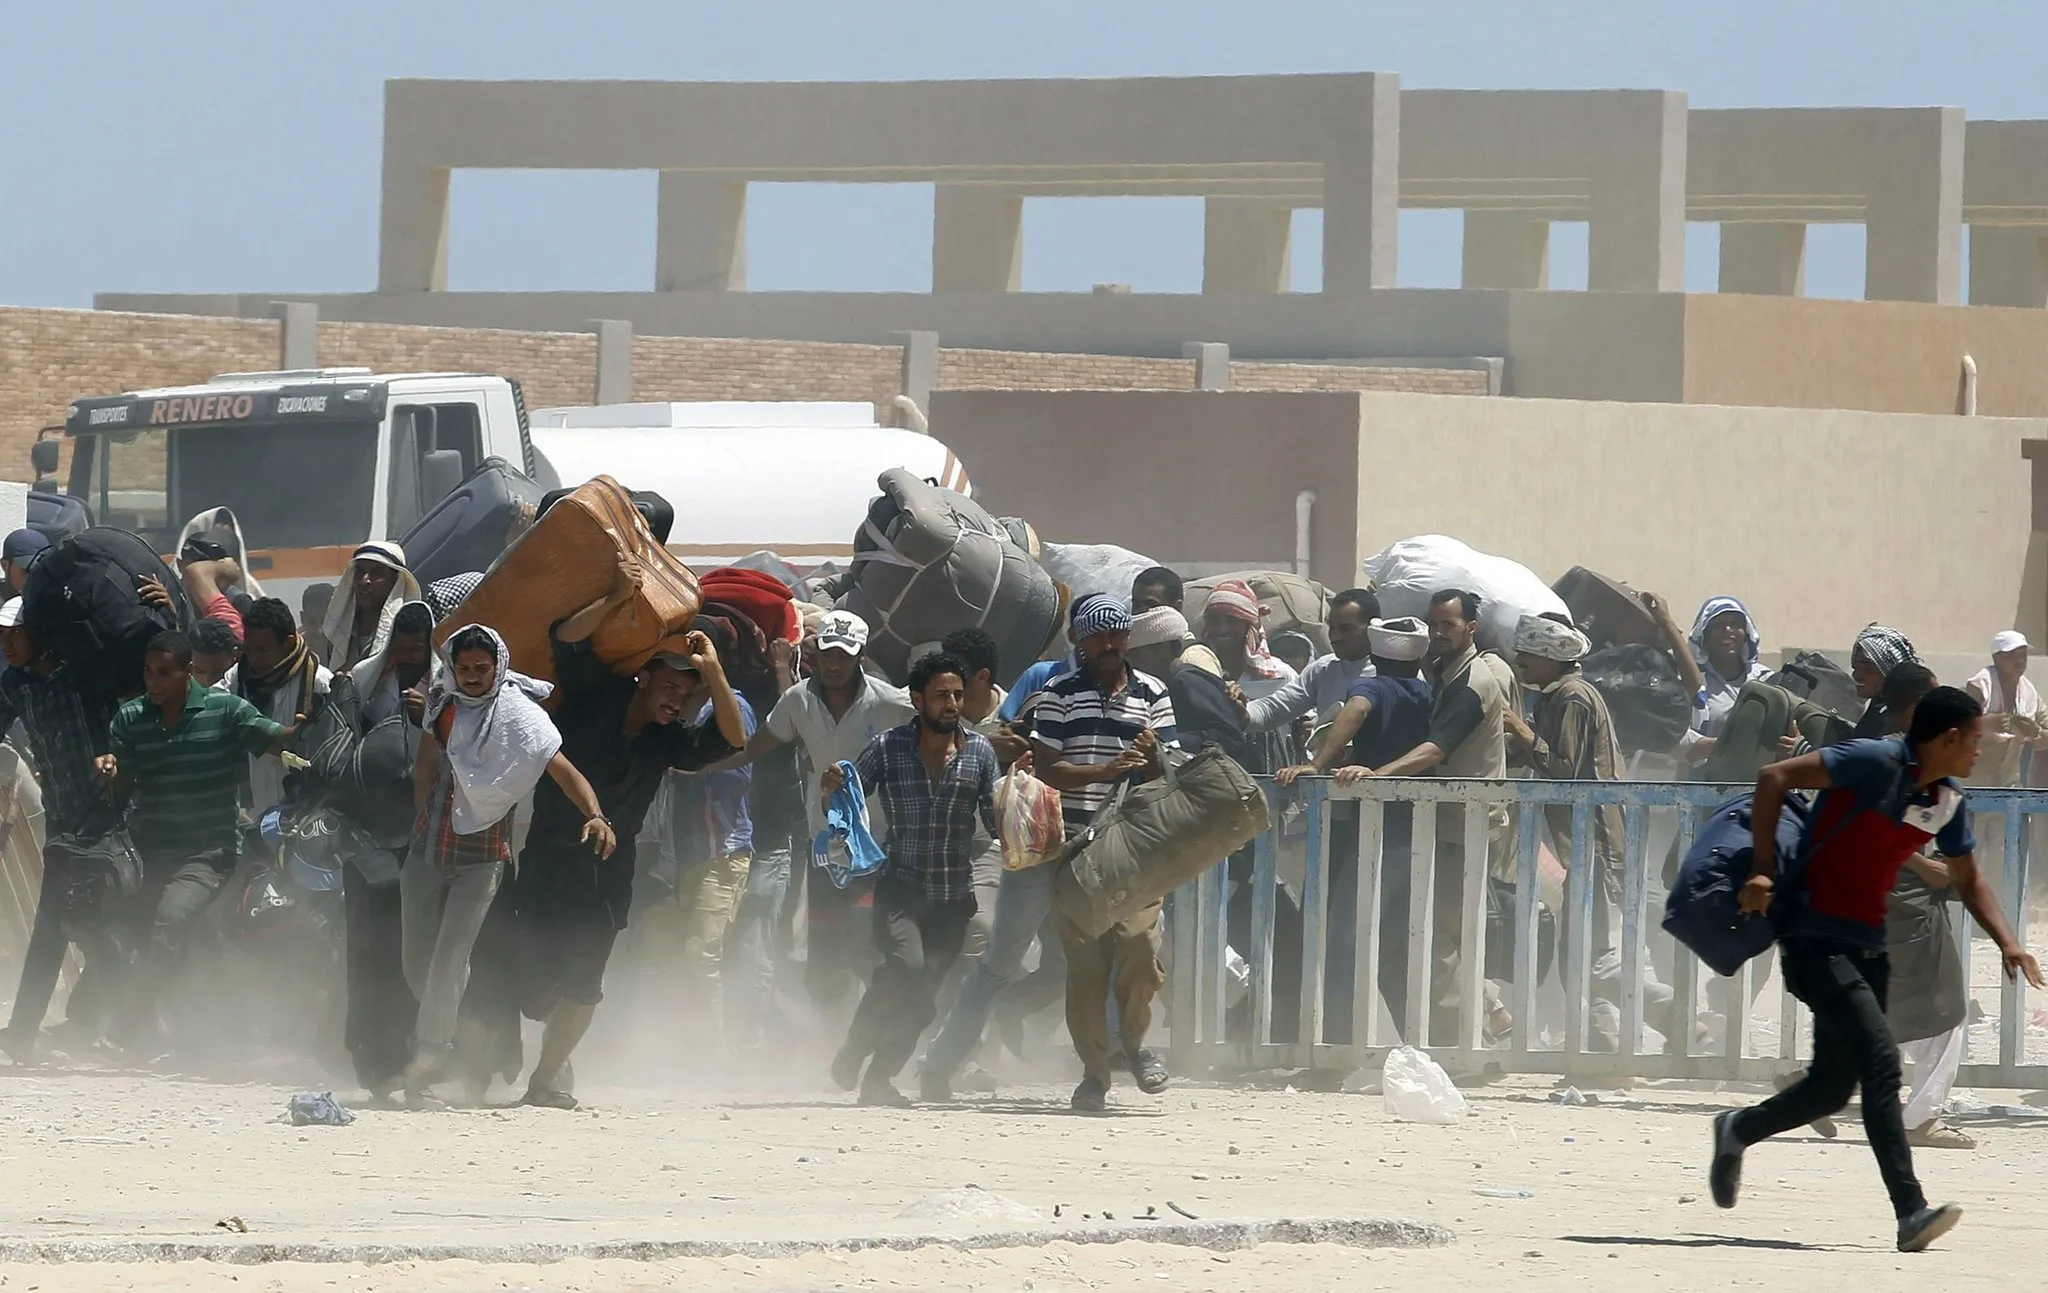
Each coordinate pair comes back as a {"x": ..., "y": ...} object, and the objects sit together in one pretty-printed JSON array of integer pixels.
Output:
[
  {"x": 1763, "y": 259},
  {"x": 700, "y": 234},
  {"x": 1635, "y": 232},
  {"x": 2009, "y": 266},
  {"x": 298, "y": 339},
  {"x": 1212, "y": 364},
  {"x": 1505, "y": 249},
  {"x": 920, "y": 371},
  {"x": 977, "y": 240},
  {"x": 1913, "y": 236},
  {"x": 1247, "y": 246},
  {"x": 1362, "y": 189},
  {"x": 613, "y": 381}
]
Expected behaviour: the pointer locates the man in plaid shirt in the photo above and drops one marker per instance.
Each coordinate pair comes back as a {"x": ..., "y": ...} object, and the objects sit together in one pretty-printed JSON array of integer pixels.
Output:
[{"x": 932, "y": 776}]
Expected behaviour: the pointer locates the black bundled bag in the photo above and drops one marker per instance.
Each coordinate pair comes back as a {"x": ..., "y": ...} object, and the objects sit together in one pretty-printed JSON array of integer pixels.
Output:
[
  {"x": 1644, "y": 694},
  {"x": 82, "y": 603},
  {"x": 100, "y": 869},
  {"x": 1813, "y": 677}
]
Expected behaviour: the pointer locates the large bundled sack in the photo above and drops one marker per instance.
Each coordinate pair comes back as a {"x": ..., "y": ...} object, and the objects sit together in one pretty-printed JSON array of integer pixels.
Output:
[
  {"x": 1294, "y": 603},
  {"x": 81, "y": 602},
  {"x": 567, "y": 560},
  {"x": 473, "y": 526},
  {"x": 1644, "y": 694},
  {"x": 1150, "y": 839},
  {"x": 1606, "y": 610},
  {"x": 1762, "y": 715},
  {"x": 1410, "y": 572},
  {"x": 1087, "y": 568},
  {"x": 928, "y": 561}
]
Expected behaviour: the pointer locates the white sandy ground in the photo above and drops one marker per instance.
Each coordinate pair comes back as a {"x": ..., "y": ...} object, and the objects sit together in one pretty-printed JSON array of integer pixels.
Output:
[{"x": 1619, "y": 1190}]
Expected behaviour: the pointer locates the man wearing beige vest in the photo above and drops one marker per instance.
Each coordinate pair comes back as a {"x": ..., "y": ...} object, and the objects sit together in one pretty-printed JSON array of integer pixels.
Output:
[{"x": 1467, "y": 738}]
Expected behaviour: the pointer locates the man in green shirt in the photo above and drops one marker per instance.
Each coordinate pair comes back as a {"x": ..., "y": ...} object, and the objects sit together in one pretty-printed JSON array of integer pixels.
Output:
[{"x": 180, "y": 749}]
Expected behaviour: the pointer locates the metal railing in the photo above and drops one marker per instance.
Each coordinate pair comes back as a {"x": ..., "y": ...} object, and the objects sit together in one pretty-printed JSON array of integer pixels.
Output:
[{"x": 1222, "y": 1019}]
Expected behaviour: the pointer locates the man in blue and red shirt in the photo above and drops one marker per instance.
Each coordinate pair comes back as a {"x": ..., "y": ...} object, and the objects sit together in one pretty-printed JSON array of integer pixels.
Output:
[{"x": 1879, "y": 803}]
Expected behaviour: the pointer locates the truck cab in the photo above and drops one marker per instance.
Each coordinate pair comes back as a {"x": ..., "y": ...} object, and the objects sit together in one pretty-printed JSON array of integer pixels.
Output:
[{"x": 311, "y": 461}]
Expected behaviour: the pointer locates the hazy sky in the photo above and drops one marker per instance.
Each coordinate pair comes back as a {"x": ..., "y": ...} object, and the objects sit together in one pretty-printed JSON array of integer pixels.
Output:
[{"x": 232, "y": 145}]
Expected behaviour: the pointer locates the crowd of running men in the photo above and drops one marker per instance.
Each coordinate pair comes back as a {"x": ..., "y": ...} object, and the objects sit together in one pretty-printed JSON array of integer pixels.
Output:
[{"x": 494, "y": 837}]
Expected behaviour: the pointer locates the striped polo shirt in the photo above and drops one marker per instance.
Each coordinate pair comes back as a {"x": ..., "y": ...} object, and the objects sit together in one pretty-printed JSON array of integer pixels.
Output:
[
  {"x": 187, "y": 779},
  {"x": 1085, "y": 726}
]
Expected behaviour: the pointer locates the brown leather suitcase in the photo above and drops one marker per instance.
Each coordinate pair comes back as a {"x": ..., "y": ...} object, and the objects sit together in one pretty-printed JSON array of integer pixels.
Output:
[
  {"x": 1606, "y": 610},
  {"x": 567, "y": 560}
]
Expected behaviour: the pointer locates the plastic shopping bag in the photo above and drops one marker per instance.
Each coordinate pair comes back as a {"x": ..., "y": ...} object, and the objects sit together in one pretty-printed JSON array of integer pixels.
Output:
[
  {"x": 1028, "y": 811},
  {"x": 1415, "y": 1088}
]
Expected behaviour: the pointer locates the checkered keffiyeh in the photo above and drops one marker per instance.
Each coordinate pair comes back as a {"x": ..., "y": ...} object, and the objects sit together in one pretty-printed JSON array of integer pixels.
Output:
[{"x": 444, "y": 595}]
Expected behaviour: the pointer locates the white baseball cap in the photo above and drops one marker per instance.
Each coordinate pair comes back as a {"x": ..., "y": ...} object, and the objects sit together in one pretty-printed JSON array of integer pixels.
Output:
[
  {"x": 843, "y": 631},
  {"x": 2010, "y": 640},
  {"x": 10, "y": 614}
]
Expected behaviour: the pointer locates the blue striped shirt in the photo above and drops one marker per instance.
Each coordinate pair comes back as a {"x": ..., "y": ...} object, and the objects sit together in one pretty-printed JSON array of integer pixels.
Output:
[{"x": 1084, "y": 726}]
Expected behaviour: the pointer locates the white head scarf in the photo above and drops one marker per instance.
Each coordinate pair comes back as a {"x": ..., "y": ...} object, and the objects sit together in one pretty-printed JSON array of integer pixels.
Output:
[
  {"x": 500, "y": 742},
  {"x": 377, "y": 687},
  {"x": 1402, "y": 639},
  {"x": 341, "y": 612},
  {"x": 1552, "y": 641}
]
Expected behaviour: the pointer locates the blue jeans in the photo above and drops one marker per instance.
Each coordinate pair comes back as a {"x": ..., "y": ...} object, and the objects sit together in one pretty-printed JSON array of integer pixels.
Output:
[
  {"x": 1023, "y": 902},
  {"x": 747, "y": 968}
]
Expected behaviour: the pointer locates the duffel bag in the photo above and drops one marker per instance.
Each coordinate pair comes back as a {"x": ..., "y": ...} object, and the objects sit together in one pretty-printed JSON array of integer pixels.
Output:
[
  {"x": 1150, "y": 839},
  {"x": 1700, "y": 910}
]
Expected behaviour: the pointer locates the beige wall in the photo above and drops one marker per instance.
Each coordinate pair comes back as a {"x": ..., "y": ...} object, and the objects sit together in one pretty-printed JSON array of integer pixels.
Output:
[
  {"x": 1185, "y": 477},
  {"x": 1891, "y": 356},
  {"x": 1821, "y": 521}
]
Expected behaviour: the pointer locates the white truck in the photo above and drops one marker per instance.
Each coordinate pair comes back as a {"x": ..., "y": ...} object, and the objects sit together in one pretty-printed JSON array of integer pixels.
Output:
[{"x": 314, "y": 462}]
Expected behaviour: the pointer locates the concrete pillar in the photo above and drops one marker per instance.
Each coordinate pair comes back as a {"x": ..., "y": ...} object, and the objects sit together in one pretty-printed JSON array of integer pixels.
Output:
[
  {"x": 1763, "y": 259},
  {"x": 298, "y": 340},
  {"x": 920, "y": 367},
  {"x": 1212, "y": 364},
  {"x": 1362, "y": 193},
  {"x": 1505, "y": 249},
  {"x": 614, "y": 379},
  {"x": 1913, "y": 228},
  {"x": 412, "y": 246},
  {"x": 2009, "y": 265},
  {"x": 700, "y": 234},
  {"x": 1635, "y": 222},
  {"x": 977, "y": 240},
  {"x": 1247, "y": 246}
]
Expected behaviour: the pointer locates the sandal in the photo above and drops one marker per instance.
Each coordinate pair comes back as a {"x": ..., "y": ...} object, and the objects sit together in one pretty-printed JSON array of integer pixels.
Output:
[
  {"x": 536, "y": 1098},
  {"x": 1149, "y": 1071},
  {"x": 1936, "y": 1134}
]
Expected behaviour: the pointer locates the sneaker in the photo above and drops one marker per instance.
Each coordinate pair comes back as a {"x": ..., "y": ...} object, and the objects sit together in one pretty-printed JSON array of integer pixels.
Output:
[
  {"x": 1926, "y": 1226},
  {"x": 932, "y": 1087},
  {"x": 1936, "y": 1134},
  {"x": 883, "y": 1095},
  {"x": 1725, "y": 1175},
  {"x": 846, "y": 1067},
  {"x": 1092, "y": 1096},
  {"x": 1149, "y": 1072}
]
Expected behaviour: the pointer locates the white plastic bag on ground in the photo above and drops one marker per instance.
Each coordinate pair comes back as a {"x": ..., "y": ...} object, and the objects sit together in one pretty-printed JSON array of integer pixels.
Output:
[
  {"x": 1415, "y": 1088},
  {"x": 1407, "y": 574},
  {"x": 1093, "y": 567}
]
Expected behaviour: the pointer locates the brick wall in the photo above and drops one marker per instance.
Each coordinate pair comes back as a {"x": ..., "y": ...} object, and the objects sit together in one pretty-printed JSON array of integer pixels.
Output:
[
  {"x": 49, "y": 357},
  {"x": 713, "y": 368},
  {"x": 1350, "y": 377}
]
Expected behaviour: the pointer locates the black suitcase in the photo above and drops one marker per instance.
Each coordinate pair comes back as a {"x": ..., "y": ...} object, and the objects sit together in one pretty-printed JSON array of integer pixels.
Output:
[
  {"x": 58, "y": 517},
  {"x": 472, "y": 527},
  {"x": 660, "y": 517}
]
